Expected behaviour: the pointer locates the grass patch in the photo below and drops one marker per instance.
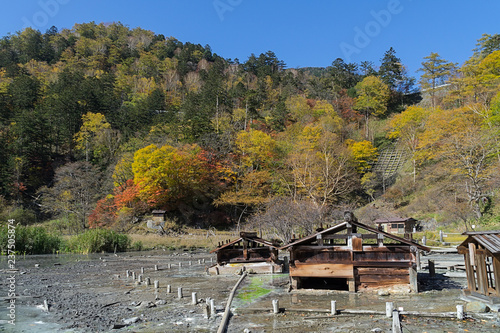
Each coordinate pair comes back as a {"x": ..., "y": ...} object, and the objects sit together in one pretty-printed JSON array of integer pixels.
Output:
[
  {"x": 192, "y": 239},
  {"x": 98, "y": 240},
  {"x": 253, "y": 291},
  {"x": 30, "y": 240}
]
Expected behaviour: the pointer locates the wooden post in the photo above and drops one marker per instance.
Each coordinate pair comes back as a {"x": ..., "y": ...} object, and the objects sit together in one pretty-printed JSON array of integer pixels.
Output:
[
  {"x": 206, "y": 311},
  {"x": 169, "y": 265},
  {"x": 169, "y": 289},
  {"x": 180, "y": 264},
  {"x": 413, "y": 279},
  {"x": 157, "y": 284},
  {"x": 194, "y": 298},
  {"x": 179, "y": 292},
  {"x": 334, "y": 307},
  {"x": 133, "y": 275},
  {"x": 441, "y": 236},
  {"x": 148, "y": 281},
  {"x": 432, "y": 269},
  {"x": 139, "y": 278},
  {"x": 213, "y": 310},
  {"x": 424, "y": 240},
  {"x": 417, "y": 258},
  {"x": 156, "y": 267},
  {"x": 352, "y": 284},
  {"x": 276, "y": 306},
  {"x": 396, "y": 323},
  {"x": 128, "y": 273},
  {"x": 142, "y": 270},
  {"x": 389, "y": 307},
  {"x": 190, "y": 263},
  {"x": 460, "y": 312}
]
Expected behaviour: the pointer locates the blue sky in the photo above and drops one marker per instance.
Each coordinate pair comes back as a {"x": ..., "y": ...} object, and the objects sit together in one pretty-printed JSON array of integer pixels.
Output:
[{"x": 301, "y": 33}]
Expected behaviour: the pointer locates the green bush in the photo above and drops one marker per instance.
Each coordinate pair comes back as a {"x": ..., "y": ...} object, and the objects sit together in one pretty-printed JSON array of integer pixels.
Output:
[
  {"x": 98, "y": 240},
  {"x": 137, "y": 246},
  {"x": 30, "y": 240}
]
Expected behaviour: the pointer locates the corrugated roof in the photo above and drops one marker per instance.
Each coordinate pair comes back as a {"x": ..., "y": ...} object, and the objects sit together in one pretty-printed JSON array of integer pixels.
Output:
[{"x": 490, "y": 240}]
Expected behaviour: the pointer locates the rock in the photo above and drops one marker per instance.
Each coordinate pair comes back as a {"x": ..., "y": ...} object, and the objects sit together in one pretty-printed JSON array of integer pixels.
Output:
[
  {"x": 117, "y": 326},
  {"x": 147, "y": 305},
  {"x": 161, "y": 302},
  {"x": 477, "y": 306},
  {"x": 130, "y": 321},
  {"x": 376, "y": 330}
]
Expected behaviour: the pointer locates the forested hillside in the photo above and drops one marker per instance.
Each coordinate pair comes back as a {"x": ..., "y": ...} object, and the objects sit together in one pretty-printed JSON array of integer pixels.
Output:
[{"x": 102, "y": 124}]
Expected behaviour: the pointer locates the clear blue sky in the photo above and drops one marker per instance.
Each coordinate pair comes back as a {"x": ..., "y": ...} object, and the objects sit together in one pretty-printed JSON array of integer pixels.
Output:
[{"x": 301, "y": 33}]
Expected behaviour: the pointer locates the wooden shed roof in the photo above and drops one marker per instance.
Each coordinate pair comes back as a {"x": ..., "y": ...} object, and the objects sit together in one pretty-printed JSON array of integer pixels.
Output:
[
  {"x": 342, "y": 226},
  {"x": 251, "y": 236},
  {"x": 490, "y": 240}
]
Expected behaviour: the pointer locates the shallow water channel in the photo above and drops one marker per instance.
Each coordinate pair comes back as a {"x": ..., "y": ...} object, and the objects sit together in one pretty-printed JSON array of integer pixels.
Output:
[{"x": 93, "y": 294}]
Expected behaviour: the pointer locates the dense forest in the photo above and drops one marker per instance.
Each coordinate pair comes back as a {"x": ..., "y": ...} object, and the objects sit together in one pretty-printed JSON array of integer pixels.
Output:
[{"x": 102, "y": 124}]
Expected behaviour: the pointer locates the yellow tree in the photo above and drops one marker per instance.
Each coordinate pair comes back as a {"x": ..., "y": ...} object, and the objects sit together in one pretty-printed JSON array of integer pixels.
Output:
[
  {"x": 252, "y": 181},
  {"x": 373, "y": 96},
  {"x": 172, "y": 177},
  {"x": 407, "y": 127},
  {"x": 459, "y": 138},
  {"x": 93, "y": 124},
  {"x": 321, "y": 167},
  {"x": 97, "y": 137}
]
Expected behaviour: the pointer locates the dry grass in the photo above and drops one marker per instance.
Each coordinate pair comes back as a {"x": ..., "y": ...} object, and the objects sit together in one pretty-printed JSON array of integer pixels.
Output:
[{"x": 191, "y": 239}]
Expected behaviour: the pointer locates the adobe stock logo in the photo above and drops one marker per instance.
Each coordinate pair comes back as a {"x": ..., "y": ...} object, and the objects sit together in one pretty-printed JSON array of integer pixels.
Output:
[
  {"x": 223, "y": 6},
  {"x": 372, "y": 29},
  {"x": 40, "y": 19}
]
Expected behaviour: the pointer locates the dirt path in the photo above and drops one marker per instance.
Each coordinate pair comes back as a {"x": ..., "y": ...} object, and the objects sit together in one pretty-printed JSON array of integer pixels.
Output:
[{"x": 93, "y": 294}]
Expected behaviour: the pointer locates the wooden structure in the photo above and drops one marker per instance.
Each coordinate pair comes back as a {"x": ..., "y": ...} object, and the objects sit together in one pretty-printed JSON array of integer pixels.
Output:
[
  {"x": 397, "y": 225},
  {"x": 158, "y": 216},
  {"x": 481, "y": 251},
  {"x": 249, "y": 253},
  {"x": 353, "y": 256}
]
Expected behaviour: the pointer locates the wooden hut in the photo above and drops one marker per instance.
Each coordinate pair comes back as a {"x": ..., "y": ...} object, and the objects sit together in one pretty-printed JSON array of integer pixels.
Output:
[
  {"x": 481, "y": 251},
  {"x": 353, "y": 256},
  {"x": 248, "y": 252},
  {"x": 397, "y": 225}
]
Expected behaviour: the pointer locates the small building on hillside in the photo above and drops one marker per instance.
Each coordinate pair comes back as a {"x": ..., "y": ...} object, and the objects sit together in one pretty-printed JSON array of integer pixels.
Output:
[
  {"x": 481, "y": 252},
  {"x": 158, "y": 215},
  {"x": 250, "y": 253},
  {"x": 398, "y": 225},
  {"x": 353, "y": 256}
]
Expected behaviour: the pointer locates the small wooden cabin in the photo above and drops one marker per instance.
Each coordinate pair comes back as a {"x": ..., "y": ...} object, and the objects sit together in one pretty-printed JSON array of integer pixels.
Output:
[
  {"x": 158, "y": 216},
  {"x": 248, "y": 252},
  {"x": 481, "y": 251},
  {"x": 397, "y": 225},
  {"x": 353, "y": 256}
]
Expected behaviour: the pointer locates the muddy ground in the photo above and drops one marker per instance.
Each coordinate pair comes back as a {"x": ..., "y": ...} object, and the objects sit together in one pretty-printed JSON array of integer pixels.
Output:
[{"x": 93, "y": 294}]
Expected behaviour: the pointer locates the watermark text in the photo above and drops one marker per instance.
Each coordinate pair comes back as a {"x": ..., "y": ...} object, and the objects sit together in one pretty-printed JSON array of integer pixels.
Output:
[{"x": 11, "y": 269}]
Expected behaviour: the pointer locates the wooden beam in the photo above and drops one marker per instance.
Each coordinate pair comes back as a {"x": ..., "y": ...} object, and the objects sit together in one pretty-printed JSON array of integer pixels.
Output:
[
  {"x": 412, "y": 271},
  {"x": 482, "y": 277},
  {"x": 322, "y": 270},
  {"x": 496, "y": 274},
  {"x": 469, "y": 270}
]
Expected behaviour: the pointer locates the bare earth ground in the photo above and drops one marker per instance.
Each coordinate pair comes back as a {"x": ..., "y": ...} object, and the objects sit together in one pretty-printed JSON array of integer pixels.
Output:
[{"x": 93, "y": 294}]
